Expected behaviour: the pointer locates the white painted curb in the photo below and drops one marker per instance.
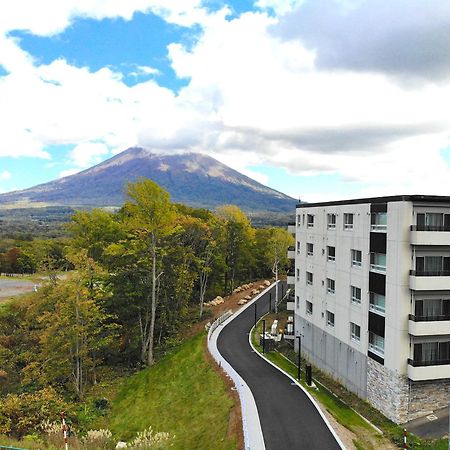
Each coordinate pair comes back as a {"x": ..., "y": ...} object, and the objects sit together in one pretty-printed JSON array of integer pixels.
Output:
[
  {"x": 253, "y": 436},
  {"x": 313, "y": 401}
]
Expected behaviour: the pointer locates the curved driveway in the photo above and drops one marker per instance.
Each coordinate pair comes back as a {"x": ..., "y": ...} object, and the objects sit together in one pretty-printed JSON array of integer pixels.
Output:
[{"x": 289, "y": 420}]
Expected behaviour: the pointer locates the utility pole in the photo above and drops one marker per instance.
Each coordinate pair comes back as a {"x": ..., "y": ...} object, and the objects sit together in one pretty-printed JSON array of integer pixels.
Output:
[
  {"x": 299, "y": 373},
  {"x": 270, "y": 302},
  {"x": 255, "y": 315}
]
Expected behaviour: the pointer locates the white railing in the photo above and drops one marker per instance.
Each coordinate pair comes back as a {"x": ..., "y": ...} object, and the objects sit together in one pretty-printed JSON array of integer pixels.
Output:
[{"x": 219, "y": 321}]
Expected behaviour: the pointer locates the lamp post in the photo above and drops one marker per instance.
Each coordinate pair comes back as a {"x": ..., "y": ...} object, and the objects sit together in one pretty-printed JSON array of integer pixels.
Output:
[
  {"x": 264, "y": 336},
  {"x": 270, "y": 302},
  {"x": 299, "y": 373},
  {"x": 255, "y": 315}
]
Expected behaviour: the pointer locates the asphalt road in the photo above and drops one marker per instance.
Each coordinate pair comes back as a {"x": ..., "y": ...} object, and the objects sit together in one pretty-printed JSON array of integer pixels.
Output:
[{"x": 289, "y": 420}]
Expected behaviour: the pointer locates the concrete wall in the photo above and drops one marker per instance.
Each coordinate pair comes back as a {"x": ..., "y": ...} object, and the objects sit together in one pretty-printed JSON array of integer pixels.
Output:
[{"x": 334, "y": 357}]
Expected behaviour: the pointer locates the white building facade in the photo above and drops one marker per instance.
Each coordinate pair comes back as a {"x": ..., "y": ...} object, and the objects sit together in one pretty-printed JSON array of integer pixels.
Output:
[{"x": 372, "y": 298}]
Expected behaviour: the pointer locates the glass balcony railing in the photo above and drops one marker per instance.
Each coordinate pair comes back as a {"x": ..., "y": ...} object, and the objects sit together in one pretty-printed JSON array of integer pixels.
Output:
[
  {"x": 440, "y": 318},
  {"x": 430, "y": 228},
  {"x": 435, "y": 362},
  {"x": 430, "y": 273}
]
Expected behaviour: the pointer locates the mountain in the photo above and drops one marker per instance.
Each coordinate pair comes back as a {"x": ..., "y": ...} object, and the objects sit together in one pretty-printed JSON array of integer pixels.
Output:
[{"x": 191, "y": 178}]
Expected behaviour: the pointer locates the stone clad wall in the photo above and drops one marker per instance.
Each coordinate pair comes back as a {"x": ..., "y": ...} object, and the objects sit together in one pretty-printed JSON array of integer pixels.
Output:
[
  {"x": 387, "y": 391},
  {"x": 427, "y": 396}
]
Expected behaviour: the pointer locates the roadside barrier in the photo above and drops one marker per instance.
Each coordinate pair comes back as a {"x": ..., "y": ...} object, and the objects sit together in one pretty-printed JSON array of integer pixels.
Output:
[{"x": 219, "y": 321}]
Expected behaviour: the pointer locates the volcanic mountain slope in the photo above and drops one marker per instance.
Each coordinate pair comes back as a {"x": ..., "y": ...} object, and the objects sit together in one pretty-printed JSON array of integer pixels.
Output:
[{"x": 191, "y": 178}]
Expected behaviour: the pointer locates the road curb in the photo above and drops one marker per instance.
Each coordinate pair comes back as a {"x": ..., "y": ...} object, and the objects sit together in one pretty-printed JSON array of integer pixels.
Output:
[
  {"x": 253, "y": 435},
  {"x": 313, "y": 401}
]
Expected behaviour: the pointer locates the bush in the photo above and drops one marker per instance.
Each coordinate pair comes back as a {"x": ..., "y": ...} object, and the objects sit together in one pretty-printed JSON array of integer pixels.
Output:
[
  {"x": 147, "y": 440},
  {"x": 22, "y": 414},
  {"x": 98, "y": 439}
]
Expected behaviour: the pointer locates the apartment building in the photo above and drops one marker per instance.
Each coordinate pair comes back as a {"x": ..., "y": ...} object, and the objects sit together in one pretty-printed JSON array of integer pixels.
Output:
[{"x": 372, "y": 298}]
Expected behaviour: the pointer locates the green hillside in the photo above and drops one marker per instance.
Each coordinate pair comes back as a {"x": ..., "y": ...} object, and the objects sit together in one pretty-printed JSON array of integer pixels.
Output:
[{"x": 182, "y": 395}]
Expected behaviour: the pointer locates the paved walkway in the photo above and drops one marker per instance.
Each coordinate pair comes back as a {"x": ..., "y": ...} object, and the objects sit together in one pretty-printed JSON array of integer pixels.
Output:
[
  {"x": 288, "y": 418},
  {"x": 433, "y": 426}
]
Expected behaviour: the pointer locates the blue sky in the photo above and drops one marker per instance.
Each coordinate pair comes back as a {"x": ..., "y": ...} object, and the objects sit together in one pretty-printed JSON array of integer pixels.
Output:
[{"x": 313, "y": 97}]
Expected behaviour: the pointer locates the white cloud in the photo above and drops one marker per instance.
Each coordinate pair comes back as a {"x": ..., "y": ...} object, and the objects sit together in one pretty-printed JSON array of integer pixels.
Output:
[
  {"x": 87, "y": 154},
  {"x": 50, "y": 17},
  {"x": 68, "y": 172},
  {"x": 5, "y": 175},
  {"x": 279, "y": 6},
  {"x": 251, "y": 99}
]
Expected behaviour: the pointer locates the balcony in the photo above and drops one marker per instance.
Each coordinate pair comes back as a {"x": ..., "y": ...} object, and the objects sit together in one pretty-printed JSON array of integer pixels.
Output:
[
  {"x": 428, "y": 325},
  {"x": 430, "y": 235},
  {"x": 429, "y": 281},
  {"x": 291, "y": 253},
  {"x": 291, "y": 278},
  {"x": 291, "y": 227},
  {"x": 428, "y": 370}
]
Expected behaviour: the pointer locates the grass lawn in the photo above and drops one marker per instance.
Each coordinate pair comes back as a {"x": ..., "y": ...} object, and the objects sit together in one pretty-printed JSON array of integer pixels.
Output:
[{"x": 181, "y": 395}]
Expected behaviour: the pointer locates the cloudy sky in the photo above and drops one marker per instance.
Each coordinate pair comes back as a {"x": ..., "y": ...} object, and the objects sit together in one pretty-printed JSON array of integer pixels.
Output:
[{"x": 321, "y": 99}]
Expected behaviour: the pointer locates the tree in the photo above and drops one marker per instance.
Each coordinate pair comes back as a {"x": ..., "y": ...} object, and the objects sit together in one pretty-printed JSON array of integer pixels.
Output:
[
  {"x": 73, "y": 327},
  {"x": 94, "y": 231},
  {"x": 150, "y": 219},
  {"x": 238, "y": 240},
  {"x": 279, "y": 242}
]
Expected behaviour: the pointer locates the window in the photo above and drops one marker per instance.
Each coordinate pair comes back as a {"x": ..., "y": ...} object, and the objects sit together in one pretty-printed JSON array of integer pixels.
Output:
[
  {"x": 378, "y": 262},
  {"x": 298, "y": 220},
  {"x": 297, "y": 301},
  {"x": 309, "y": 307},
  {"x": 348, "y": 221},
  {"x": 432, "y": 265},
  {"x": 432, "y": 309},
  {"x": 377, "y": 303},
  {"x": 356, "y": 258},
  {"x": 309, "y": 278},
  {"x": 309, "y": 220},
  {"x": 330, "y": 319},
  {"x": 331, "y": 253},
  {"x": 378, "y": 221},
  {"x": 433, "y": 222},
  {"x": 376, "y": 344},
  {"x": 355, "y": 332},
  {"x": 355, "y": 294},
  {"x": 331, "y": 221},
  {"x": 309, "y": 249},
  {"x": 432, "y": 353},
  {"x": 331, "y": 286},
  {"x": 298, "y": 246},
  {"x": 298, "y": 274}
]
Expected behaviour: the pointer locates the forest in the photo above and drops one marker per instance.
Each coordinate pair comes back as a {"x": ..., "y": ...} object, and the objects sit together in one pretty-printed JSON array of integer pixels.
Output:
[{"x": 117, "y": 291}]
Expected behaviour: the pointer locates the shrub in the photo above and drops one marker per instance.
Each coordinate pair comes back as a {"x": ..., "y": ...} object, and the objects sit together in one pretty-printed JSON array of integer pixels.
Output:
[
  {"x": 22, "y": 414},
  {"x": 147, "y": 440},
  {"x": 98, "y": 439}
]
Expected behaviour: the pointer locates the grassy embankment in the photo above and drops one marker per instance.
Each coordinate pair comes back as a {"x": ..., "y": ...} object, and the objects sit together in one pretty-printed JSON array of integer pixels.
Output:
[
  {"x": 181, "y": 395},
  {"x": 336, "y": 400}
]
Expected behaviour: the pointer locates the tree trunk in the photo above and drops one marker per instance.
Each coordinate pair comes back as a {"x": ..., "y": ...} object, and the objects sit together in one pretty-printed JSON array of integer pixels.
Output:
[
  {"x": 150, "y": 356},
  {"x": 203, "y": 284}
]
